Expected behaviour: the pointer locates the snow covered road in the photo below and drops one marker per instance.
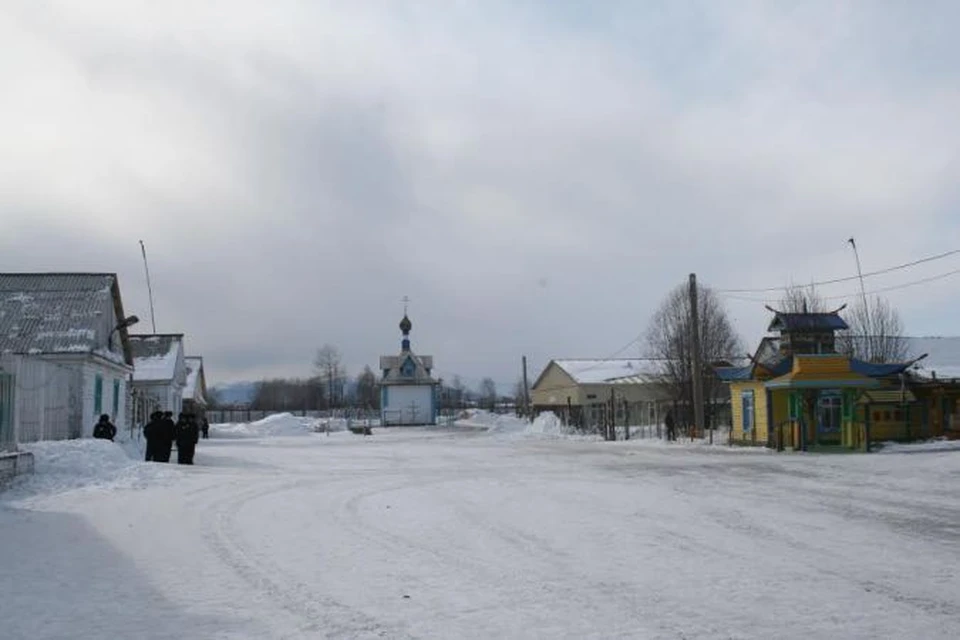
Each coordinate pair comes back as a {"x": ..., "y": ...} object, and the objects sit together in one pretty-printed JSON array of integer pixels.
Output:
[{"x": 464, "y": 534}]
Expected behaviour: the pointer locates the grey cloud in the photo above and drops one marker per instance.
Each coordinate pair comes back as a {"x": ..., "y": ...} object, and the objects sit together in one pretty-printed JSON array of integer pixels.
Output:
[{"x": 295, "y": 181}]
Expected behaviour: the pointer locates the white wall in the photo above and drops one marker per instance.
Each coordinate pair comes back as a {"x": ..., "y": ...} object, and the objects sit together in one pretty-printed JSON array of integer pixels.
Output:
[
  {"x": 108, "y": 374},
  {"x": 47, "y": 402},
  {"x": 408, "y": 404},
  {"x": 168, "y": 396}
]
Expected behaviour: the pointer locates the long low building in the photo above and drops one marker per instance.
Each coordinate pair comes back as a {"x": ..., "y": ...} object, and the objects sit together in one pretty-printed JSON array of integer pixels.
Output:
[{"x": 579, "y": 390}]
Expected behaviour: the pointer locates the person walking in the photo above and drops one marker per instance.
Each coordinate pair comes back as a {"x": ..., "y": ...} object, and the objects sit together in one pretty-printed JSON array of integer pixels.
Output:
[
  {"x": 151, "y": 431},
  {"x": 187, "y": 436},
  {"x": 671, "y": 426},
  {"x": 104, "y": 429},
  {"x": 204, "y": 427}
]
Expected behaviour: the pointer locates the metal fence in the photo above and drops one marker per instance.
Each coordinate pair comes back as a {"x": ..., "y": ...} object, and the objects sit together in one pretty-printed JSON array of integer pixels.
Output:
[{"x": 219, "y": 416}]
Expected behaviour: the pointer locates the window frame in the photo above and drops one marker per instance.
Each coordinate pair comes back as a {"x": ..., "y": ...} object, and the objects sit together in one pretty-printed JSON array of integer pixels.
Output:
[{"x": 748, "y": 404}]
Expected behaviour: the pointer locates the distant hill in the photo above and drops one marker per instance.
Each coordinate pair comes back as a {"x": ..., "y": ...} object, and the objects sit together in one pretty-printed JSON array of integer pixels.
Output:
[{"x": 236, "y": 392}]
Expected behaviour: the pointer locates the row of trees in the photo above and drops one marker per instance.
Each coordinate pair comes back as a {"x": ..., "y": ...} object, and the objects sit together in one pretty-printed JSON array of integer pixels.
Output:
[
  {"x": 875, "y": 335},
  {"x": 331, "y": 388}
]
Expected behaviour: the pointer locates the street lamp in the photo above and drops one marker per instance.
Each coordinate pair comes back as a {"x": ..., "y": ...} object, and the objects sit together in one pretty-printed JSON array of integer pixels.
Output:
[{"x": 129, "y": 321}]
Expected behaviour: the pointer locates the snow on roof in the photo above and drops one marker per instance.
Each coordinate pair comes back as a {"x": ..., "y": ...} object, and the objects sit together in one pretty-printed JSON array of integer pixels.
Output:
[
  {"x": 192, "y": 390},
  {"x": 54, "y": 312},
  {"x": 155, "y": 356},
  {"x": 943, "y": 355},
  {"x": 599, "y": 371}
]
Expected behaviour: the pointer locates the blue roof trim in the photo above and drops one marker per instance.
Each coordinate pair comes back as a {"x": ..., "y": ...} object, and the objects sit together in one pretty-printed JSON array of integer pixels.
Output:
[
  {"x": 821, "y": 384},
  {"x": 734, "y": 374},
  {"x": 877, "y": 370},
  {"x": 781, "y": 367}
]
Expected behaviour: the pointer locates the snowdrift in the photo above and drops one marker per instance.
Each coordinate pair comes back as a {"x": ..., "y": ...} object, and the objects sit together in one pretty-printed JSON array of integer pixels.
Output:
[
  {"x": 546, "y": 425},
  {"x": 281, "y": 424},
  {"x": 66, "y": 465}
]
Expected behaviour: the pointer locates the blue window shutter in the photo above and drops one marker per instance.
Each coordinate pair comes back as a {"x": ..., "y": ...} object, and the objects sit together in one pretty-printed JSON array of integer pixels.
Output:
[
  {"x": 98, "y": 395},
  {"x": 116, "y": 398}
]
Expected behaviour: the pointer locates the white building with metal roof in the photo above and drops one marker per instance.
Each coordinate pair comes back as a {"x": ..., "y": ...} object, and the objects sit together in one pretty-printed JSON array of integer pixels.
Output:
[
  {"x": 64, "y": 355},
  {"x": 160, "y": 369}
]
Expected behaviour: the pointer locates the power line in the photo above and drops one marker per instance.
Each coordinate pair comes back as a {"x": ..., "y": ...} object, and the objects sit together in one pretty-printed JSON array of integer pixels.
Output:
[
  {"x": 898, "y": 267},
  {"x": 905, "y": 285}
]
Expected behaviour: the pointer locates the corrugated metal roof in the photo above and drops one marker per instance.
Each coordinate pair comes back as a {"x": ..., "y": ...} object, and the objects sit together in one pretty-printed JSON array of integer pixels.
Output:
[
  {"x": 155, "y": 356},
  {"x": 54, "y": 312},
  {"x": 807, "y": 322},
  {"x": 887, "y": 396},
  {"x": 600, "y": 371}
]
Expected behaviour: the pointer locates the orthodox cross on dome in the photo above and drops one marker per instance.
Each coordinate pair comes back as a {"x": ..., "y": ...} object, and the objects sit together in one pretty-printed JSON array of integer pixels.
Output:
[{"x": 405, "y": 326}]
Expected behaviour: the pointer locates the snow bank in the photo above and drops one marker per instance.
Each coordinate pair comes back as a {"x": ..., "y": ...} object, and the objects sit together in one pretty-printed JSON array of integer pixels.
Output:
[
  {"x": 546, "y": 425},
  {"x": 919, "y": 447},
  {"x": 281, "y": 424},
  {"x": 67, "y": 465}
]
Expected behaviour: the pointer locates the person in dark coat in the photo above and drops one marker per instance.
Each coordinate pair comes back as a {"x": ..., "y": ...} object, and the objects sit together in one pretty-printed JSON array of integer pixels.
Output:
[
  {"x": 205, "y": 427},
  {"x": 163, "y": 434},
  {"x": 187, "y": 436},
  {"x": 104, "y": 429},
  {"x": 671, "y": 426},
  {"x": 150, "y": 432}
]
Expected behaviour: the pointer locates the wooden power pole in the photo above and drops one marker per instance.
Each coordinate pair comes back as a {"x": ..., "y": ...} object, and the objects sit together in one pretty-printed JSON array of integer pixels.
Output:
[
  {"x": 696, "y": 366},
  {"x": 526, "y": 391}
]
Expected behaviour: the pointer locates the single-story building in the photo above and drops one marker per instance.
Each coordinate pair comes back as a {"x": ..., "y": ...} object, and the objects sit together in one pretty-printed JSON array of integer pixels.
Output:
[
  {"x": 579, "y": 391},
  {"x": 195, "y": 390},
  {"x": 798, "y": 392},
  {"x": 409, "y": 394},
  {"x": 65, "y": 355},
  {"x": 159, "y": 371}
]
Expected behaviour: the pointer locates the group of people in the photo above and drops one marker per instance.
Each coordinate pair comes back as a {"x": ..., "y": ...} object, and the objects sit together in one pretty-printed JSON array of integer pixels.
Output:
[{"x": 161, "y": 432}]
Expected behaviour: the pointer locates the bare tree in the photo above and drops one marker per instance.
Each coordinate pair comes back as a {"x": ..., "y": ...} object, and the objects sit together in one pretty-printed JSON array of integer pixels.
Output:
[
  {"x": 875, "y": 334},
  {"x": 801, "y": 299},
  {"x": 668, "y": 340},
  {"x": 281, "y": 394},
  {"x": 458, "y": 391},
  {"x": 488, "y": 393},
  {"x": 328, "y": 367},
  {"x": 366, "y": 391},
  {"x": 520, "y": 396}
]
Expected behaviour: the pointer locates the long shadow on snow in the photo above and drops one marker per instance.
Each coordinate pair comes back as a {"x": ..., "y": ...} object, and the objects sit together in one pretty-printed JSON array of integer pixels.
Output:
[{"x": 62, "y": 579}]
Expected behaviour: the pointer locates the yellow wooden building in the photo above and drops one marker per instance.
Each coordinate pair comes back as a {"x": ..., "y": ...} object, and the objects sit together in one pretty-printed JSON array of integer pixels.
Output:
[{"x": 799, "y": 393}]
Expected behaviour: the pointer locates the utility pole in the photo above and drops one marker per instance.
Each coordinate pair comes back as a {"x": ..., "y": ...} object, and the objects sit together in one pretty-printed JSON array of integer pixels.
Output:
[
  {"x": 526, "y": 391},
  {"x": 696, "y": 365},
  {"x": 868, "y": 337},
  {"x": 153, "y": 320},
  {"x": 613, "y": 416}
]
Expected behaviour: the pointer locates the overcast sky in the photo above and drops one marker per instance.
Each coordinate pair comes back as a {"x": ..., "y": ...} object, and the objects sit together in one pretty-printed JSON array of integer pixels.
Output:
[{"x": 534, "y": 175}]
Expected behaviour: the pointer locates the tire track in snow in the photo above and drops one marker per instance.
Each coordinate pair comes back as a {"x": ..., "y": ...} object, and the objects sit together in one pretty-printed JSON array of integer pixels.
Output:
[{"x": 323, "y": 615}]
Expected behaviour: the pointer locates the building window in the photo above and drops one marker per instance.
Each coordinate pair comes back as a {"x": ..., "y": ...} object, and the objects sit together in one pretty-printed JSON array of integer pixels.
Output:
[
  {"x": 746, "y": 401},
  {"x": 98, "y": 395},
  {"x": 829, "y": 409},
  {"x": 116, "y": 398}
]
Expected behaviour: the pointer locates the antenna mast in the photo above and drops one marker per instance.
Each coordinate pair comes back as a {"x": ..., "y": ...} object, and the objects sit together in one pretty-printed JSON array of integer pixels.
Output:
[{"x": 153, "y": 320}]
